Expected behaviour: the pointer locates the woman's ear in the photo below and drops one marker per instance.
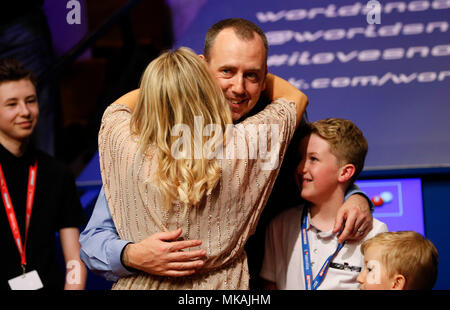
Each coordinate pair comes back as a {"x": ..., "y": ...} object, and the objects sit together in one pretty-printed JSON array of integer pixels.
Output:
[
  {"x": 399, "y": 282},
  {"x": 346, "y": 172}
]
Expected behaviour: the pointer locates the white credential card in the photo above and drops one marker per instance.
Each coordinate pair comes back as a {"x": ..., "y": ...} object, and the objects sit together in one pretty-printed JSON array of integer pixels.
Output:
[{"x": 27, "y": 281}]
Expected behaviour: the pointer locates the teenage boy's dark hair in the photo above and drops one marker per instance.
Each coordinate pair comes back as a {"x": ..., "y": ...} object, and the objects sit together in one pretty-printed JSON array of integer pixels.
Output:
[{"x": 12, "y": 70}]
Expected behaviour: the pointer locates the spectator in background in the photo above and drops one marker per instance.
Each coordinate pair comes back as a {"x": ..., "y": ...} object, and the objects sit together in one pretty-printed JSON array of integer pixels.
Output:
[
  {"x": 34, "y": 183},
  {"x": 25, "y": 36}
]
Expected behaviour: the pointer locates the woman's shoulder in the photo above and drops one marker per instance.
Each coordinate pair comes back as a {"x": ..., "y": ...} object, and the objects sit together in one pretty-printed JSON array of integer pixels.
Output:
[
  {"x": 276, "y": 111},
  {"x": 115, "y": 109},
  {"x": 115, "y": 121}
]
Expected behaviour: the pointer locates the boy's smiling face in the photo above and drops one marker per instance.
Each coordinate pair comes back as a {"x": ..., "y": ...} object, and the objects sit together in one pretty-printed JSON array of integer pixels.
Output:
[
  {"x": 19, "y": 110},
  {"x": 318, "y": 171}
]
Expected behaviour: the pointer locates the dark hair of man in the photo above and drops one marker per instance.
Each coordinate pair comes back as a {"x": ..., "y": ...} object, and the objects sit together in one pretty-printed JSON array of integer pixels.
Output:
[
  {"x": 12, "y": 70},
  {"x": 244, "y": 30}
]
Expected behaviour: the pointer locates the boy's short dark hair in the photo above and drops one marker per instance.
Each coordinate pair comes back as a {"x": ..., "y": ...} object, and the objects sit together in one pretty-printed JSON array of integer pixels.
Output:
[
  {"x": 244, "y": 30},
  {"x": 12, "y": 70},
  {"x": 346, "y": 141}
]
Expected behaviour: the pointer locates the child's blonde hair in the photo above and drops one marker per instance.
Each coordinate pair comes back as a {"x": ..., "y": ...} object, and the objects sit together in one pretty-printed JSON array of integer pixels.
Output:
[
  {"x": 346, "y": 141},
  {"x": 409, "y": 254}
]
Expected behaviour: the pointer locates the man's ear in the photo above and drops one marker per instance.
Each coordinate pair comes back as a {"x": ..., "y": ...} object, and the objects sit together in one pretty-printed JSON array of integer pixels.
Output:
[
  {"x": 399, "y": 282},
  {"x": 346, "y": 172}
]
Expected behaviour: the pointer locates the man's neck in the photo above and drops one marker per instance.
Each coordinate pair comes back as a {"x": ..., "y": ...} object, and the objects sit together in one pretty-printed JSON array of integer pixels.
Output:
[
  {"x": 15, "y": 147},
  {"x": 323, "y": 214}
]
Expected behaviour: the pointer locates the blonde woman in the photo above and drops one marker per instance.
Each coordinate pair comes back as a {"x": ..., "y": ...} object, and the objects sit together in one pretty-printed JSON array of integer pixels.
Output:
[{"x": 157, "y": 177}]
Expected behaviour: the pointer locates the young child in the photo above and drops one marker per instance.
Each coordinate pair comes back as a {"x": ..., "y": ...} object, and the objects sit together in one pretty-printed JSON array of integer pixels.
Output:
[
  {"x": 301, "y": 252},
  {"x": 402, "y": 260}
]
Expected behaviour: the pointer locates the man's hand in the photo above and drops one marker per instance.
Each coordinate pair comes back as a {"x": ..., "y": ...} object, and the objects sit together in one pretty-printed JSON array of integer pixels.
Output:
[
  {"x": 356, "y": 215},
  {"x": 159, "y": 254}
]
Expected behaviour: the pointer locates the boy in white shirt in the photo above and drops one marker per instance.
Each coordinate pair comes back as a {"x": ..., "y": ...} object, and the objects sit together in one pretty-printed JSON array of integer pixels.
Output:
[{"x": 301, "y": 252}]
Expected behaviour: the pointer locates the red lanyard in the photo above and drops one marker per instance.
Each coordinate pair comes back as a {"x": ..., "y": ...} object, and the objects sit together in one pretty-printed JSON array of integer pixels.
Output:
[{"x": 12, "y": 215}]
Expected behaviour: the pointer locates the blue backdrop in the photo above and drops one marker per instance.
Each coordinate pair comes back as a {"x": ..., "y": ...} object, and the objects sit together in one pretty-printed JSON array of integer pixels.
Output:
[{"x": 389, "y": 78}]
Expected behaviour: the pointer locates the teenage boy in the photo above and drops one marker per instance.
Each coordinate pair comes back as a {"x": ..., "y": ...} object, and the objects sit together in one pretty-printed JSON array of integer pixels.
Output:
[{"x": 39, "y": 196}]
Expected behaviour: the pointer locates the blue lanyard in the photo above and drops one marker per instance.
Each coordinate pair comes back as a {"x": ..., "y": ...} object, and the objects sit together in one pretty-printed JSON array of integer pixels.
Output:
[{"x": 309, "y": 283}]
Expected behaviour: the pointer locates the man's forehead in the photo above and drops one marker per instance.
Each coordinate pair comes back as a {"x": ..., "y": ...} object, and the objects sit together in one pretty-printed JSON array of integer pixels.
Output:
[
  {"x": 227, "y": 44},
  {"x": 233, "y": 64},
  {"x": 231, "y": 34}
]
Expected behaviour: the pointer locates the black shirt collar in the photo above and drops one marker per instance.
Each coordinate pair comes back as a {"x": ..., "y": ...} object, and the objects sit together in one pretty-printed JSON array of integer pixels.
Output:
[{"x": 7, "y": 158}]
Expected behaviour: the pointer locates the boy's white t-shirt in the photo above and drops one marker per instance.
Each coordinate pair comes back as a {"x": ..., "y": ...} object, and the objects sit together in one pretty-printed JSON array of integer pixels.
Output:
[{"x": 283, "y": 259}]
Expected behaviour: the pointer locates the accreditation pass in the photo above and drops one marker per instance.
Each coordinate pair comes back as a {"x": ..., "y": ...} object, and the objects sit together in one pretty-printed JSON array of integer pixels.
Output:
[{"x": 26, "y": 281}]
